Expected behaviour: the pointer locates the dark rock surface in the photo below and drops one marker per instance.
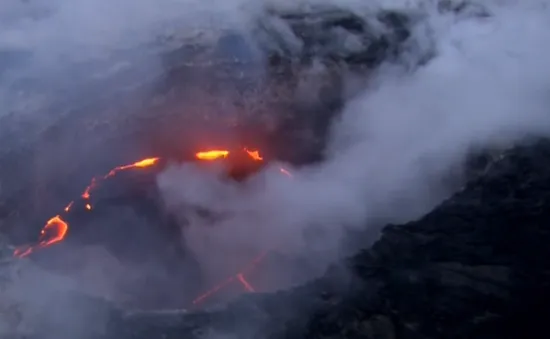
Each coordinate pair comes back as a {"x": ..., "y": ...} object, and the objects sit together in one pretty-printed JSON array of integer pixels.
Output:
[{"x": 475, "y": 267}]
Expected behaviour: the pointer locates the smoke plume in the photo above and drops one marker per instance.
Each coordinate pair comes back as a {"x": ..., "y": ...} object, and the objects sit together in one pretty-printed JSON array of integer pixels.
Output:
[
  {"x": 404, "y": 130},
  {"x": 395, "y": 144}
]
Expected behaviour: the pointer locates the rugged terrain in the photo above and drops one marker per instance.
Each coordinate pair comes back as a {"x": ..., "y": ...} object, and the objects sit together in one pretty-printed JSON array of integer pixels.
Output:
[{"x": 475, "y": 267}]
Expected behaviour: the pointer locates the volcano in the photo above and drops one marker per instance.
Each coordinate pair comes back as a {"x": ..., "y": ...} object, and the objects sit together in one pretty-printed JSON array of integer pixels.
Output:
[
  {"x": 232, "y": 102},
  {"x": 86, "y": 161},
  {"x": 106, "y": 125}
]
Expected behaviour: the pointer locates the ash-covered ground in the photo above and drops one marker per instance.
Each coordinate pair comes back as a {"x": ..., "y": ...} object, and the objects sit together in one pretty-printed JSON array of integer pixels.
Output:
[{"x": 380, "y": 111}]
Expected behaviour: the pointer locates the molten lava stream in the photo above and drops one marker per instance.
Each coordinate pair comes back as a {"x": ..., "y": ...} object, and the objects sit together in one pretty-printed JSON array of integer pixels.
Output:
[
  {"x": 56, "y": 228},
  {"x": 245, "y": 283},
  {"x": 240, "y": 277},
  {"x": 221, "y": 154},
  {"x": 140, "y": 164},
  {"x": 69, "y": 206},
  {"x": 212, "y": 155}
]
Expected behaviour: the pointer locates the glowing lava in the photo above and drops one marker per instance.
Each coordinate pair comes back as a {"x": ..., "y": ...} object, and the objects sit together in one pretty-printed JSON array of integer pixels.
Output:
[
  {"x": 140, "y": 164},
  {"x": 148, "y": 162},
  {"x": 212, "y": 155},
  {"x": 245, "y": 283},
  {"x": 240, "y": 277},
  {"x": 56, "y": 228},
  {"x": 53, "y": 232},
  {"x": 68, "y": 207},
  {"x": 221, "y": 154},
  {"x": 86, "y": 194},
  {"x": 254, "y": 155}
]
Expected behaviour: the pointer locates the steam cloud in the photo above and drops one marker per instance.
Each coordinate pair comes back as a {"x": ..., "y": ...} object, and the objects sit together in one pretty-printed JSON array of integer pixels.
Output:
[
  {"x": 394, "y": 145},
  {"x": 389, "y": 152}
]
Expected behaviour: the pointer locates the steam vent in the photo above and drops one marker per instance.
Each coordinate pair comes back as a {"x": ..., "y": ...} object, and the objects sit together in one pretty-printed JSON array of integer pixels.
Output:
[{"x": 274, "y": 170}]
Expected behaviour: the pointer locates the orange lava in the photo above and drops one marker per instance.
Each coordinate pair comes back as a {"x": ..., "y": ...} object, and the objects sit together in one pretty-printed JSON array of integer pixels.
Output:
[
  {"x": 245, "y": 283},
  {"x": 86, "y": 194},
  {"x": 212, "y": 155},
  {"x": 254, "y": 155},
  {"x": 221, "y": 154},
  {"x": 53, "y": 232},
  {"x": 69, "y": 206},
  {"x": 240, "y": 277},
  {"x": 56, "y": 228},
  {"x": 212, "y": 291},
  {"x": 140, "y": 164},
  {"x": 59, "y": 229}
]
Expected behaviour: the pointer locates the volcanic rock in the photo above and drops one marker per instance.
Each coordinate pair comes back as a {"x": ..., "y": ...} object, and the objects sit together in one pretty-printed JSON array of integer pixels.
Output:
[{"x": 472, "y": 268}]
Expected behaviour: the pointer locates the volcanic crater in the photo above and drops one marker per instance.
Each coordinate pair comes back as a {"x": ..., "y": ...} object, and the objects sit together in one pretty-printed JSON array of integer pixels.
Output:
[{"x": 245, "y": 103}]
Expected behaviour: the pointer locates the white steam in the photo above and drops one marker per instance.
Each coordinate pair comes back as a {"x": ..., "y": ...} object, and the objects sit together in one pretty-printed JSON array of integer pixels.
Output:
[
  {"x": 489, "y": 83},
  {"x": 86, "y": 29},
  {"x": 394, "y": 145}
]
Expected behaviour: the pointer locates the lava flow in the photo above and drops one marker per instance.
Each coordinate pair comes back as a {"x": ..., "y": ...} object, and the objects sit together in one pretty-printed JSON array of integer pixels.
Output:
[
  {"x": 59, "y": 235},
  {"x": 57, "y": 228},
  {"x": 140, "y": 164},
  {"x": 254, "y": 155},
  {"x": 239, "y": 277},
  {"x": 219, "y": 154},
  {"x": 212, "y": 155}
]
